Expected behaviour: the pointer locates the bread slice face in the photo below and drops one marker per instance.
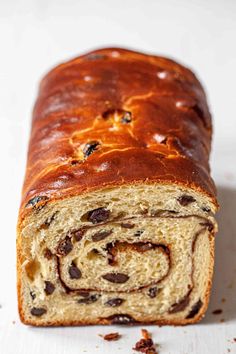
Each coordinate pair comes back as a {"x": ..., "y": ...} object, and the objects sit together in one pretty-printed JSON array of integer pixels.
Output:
[{"x": 124, "y": 255}]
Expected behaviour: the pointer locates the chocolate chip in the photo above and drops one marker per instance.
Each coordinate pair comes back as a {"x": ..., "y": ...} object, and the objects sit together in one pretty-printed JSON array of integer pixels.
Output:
[
  {"x": 98, "y": 215},
  {"x": 49, "y": 287},
  {"x": 32, "y": 294},
  {"x": 114, "y": 302},
  {"x": 88, "y": 300},
  {"x": 90, "y": 147},
  {"x": 127, "y": 225},
  {"x": 138, "y": 233},
  {"x": 181, "y": 305},
  {"x": 101, "y": 235},
  {"x": 195, "y": 309},
  {"x": 32, "y": 202},
  {"x": 152, "y": 292},
  {"x": 117, "y": 278},
  {"x": 48, "y": 254},
  {"x": 126, "y": 117},
  {"x": 121, "y": 319},
  {"x": 185, "y": 200},
  {"x": 65, "y": 246},
  {"x": 78, "y": 234},
  {"x": 74, "y": 272},
  {"x": 38, "y": 311}
]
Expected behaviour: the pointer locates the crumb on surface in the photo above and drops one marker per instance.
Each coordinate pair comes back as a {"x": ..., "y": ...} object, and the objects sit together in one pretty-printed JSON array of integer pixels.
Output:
[
  {"x": 217, "y": 312},
  {"x": 145, "y": 344},
  {"x": 111, "y": 336},
  {"x": 223, "y": 299}
]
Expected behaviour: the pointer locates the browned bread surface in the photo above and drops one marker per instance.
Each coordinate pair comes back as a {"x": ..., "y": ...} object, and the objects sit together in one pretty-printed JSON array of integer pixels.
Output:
[
  {"x": 144, "y": 112},
  {"x": 110, "y": 119}
]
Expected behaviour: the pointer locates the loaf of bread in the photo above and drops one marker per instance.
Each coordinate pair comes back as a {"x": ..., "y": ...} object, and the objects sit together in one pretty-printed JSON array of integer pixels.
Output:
[{"x": 116, "y": 224}]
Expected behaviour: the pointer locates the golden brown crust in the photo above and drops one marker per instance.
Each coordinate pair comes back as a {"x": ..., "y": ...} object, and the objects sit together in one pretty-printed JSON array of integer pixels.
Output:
[
  {"x": 107, "y": 97},
  {"x": 83, "y": 100}
]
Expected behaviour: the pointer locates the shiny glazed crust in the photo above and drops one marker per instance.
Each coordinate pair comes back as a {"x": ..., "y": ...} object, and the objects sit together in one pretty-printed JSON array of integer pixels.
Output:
[{"x": 115, "y": 117}]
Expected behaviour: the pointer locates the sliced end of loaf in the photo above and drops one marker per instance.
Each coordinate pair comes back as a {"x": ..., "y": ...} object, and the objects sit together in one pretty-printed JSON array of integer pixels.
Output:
[{"x": 125, "y": 255}]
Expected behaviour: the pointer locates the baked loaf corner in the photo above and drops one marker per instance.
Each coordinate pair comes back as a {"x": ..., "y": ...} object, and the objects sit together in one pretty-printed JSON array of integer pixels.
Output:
[{"x": 116, "y": 224}]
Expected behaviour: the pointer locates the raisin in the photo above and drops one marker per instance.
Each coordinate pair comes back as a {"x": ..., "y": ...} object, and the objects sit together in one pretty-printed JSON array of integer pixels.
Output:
[
  {"x": 98, "y": 215},
  {"x": 65, "y": 247},
  {"x": 121, "y": 319},
  {"x": 88, "y": 300},
  {"x": 185, "y": 200},
  {"x": 83, "y": 293},
  {"x": 117, "y": 278},
  {"x": 38, "y": 311},
  {"x": 49, "y": 220},
  {"x": 78, "y": 234},
  {"x": 101, "y": 235},
  {"x": 49, "y": 287},
  {"x": 48, "y": 254},
  {"x": 90, "y": 147},
  {"x": 195, "y": 309},
  {"x": 206, "y": 209},
  {"x": 74, "y": 162},
  {"x": 181, "y": 305},
  {"x": 144, "y": 345},
  {"x": 127, "y": 225},
  {"x": 32, "y": 294},
  {"x": 32, "y": 202},
  {"x": 138, "y": 233},
  {"x": 74, "y": 272},
  {"x": 114, "y": 302},
  {"x": 126, "y": 117},
  {"x": 152, "y": 292},
  {"x": 208, "y": 224}
]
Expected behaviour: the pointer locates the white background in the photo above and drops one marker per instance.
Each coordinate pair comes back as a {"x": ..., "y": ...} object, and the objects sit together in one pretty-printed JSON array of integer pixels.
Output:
[{"x": 36, "y": 35}]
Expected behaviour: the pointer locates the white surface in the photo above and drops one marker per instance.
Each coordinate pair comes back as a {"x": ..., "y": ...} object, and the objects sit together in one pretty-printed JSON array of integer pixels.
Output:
[{"x": 34, "y": 36}]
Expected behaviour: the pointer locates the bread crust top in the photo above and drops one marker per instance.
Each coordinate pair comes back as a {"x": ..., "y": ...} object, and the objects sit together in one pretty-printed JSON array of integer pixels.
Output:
[{"x": 113, "y": 117}]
